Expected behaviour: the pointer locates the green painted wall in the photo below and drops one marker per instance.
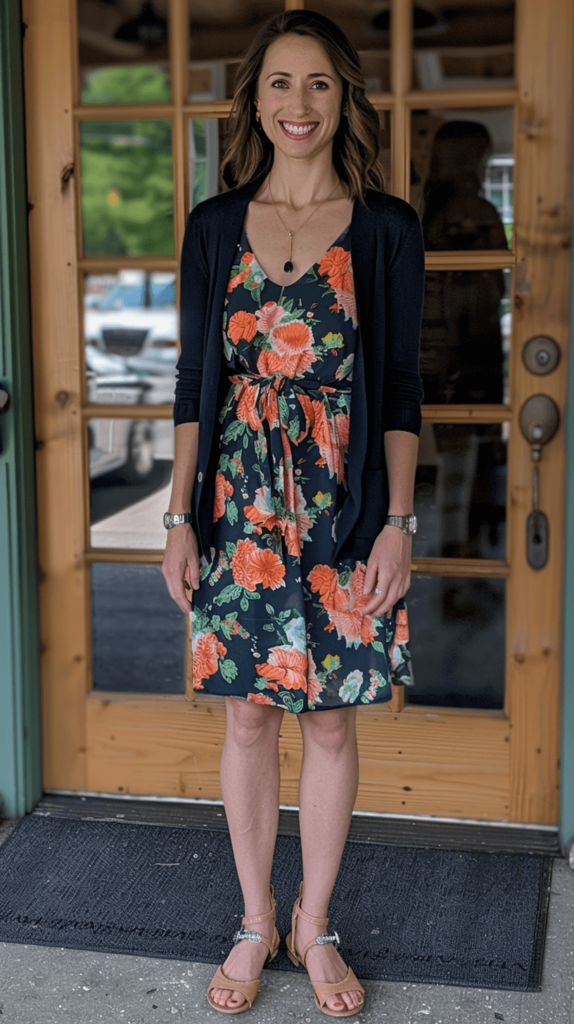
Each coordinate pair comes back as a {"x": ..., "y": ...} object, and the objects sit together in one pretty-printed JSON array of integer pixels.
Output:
[{"x": 20, "y": 772}]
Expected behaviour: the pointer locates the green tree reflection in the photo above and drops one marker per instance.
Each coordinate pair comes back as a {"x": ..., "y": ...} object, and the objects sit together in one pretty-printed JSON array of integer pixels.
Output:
[{"x": 127, "y": 170}]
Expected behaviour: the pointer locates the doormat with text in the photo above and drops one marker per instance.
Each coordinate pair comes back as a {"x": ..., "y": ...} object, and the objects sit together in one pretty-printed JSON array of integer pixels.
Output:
[{"x": 415, "y": 915}]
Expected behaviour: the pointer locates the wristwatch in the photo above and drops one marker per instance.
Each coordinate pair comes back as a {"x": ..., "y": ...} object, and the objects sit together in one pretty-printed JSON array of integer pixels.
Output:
[
  {"x": 408, "y": 524},
  {"x": 170, "y": 520}
]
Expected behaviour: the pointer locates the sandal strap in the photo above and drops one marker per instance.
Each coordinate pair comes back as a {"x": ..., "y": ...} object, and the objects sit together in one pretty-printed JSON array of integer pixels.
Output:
[
  {"x": 325, "y": 989},
  {"x": 248, "y": 989},
  {"x": 321, "y": 922},
  {"x": 251, "y": 936},
  {"x": 260, "y": 918}
]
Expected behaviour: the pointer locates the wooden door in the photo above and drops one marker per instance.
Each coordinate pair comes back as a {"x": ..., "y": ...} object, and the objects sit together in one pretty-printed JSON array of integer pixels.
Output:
[{"x": 125, "y": 116}]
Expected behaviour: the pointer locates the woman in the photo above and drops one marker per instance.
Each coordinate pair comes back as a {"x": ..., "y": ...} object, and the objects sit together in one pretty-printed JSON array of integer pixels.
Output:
[{"x": 297, "y": 435}]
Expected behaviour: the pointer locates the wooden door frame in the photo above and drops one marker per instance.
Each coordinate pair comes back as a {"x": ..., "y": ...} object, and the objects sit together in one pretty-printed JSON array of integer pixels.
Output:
[{"x": 468, "y": 763}]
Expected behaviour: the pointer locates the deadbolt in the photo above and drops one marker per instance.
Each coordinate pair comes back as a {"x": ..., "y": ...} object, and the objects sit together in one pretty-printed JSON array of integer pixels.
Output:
[
  {"x": 539, "y": 419},
  {"x": 541, "y": 355}
]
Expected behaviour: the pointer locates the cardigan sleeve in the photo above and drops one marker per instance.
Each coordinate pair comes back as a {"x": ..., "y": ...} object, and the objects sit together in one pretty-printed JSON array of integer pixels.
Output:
[
  {"x": 403, "y": 390},
  {"x": 194, "y": 293}
]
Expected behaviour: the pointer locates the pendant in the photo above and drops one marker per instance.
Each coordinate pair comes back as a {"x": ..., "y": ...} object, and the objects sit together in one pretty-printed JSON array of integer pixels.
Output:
[{"x": 288, "y": 267}]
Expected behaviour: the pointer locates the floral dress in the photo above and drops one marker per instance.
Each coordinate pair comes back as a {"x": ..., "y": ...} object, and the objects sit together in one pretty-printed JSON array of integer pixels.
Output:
[{"x": 276, "y": 620}]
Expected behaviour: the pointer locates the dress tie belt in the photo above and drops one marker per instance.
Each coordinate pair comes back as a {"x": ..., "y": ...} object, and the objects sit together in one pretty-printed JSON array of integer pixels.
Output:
[{"x": 320, "y": 412}]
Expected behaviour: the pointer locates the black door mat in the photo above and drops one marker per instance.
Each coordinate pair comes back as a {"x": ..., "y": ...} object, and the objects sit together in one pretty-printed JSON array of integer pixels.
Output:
[{"x": 431, "y": 916}]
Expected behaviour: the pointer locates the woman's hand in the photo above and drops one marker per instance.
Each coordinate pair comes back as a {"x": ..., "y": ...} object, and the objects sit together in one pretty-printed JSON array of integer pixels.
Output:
[
  {"x": 181, "y": 564},
  {"x": 389, "y": 569}
]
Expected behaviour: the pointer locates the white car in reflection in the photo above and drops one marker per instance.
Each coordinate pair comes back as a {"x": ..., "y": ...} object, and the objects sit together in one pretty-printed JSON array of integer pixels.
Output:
[{"x": 123, "y": 446}]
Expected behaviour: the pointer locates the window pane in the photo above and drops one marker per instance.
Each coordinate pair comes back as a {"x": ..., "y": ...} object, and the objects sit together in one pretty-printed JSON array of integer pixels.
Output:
[
  {"x": 219, "y": 34},
  {"x": 457, "y": 630},
  {"x": 123, "y": 52},
  {"x": 465, "y": 339},
  {"x": 463, "y": 45},
  {"x": 127, "y": 188},
  {"x": 206, "y": 146},
  {"x": 462, "y": 177},
  {"x": 460, "y": 491},
  {"x": 138, "y": 632},
  {"x": 130, "y": 329},
  {"x": 130, "y": 464}
]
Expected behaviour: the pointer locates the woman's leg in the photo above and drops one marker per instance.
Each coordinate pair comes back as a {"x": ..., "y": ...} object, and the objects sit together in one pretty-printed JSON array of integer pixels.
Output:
[
  {"x": 327, "y": 792},
  {"x": 250, "y": 788}
]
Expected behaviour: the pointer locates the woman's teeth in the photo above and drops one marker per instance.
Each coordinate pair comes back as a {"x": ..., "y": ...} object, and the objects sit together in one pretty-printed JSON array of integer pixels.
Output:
[{"x": 295, "y": 129}]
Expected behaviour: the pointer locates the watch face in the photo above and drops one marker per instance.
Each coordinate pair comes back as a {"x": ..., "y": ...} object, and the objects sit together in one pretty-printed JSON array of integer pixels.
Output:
[
  {"x": 412, "y": 524},
  {"x": 167, "y": 520}
]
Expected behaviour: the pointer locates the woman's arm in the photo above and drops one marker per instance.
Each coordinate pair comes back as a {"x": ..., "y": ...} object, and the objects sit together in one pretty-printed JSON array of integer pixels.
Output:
[
  {"x": 389, "y": 565},
  {"x": 181, "y": 559}
]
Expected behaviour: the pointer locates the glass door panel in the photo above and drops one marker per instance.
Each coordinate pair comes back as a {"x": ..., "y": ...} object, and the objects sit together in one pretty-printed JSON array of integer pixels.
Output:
[
  {"x": 123, "y": 52},
  {"x": 219, "y": 33},
  {"x": 462, "y": 164},
  {"x": 127, "y": 188},
  {"x": 138, "y": 633},
  {"x": 463, "y": 45}
]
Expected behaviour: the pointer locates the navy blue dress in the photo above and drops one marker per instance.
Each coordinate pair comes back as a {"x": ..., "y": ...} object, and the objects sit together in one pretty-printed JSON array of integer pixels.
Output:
[{"x": 275, "y": 620}]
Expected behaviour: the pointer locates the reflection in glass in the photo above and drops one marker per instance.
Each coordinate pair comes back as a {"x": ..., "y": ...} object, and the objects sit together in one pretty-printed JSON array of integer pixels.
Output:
[
  {"x": 127, "y": 188},
  {"x": 465, "y": 339},
  {"x": 463, "y": 45},
  {"x": 130, "y": 464},
  {"x": 460, "y": 491},
  {"x": 219, "y": 33},
  {"x": 123, "y": 53},
  {"x": 457, "y": 630},
  {"x": 206, "y": 139},
  {"x": 130, "y": 329},
  {"x": 138, "y": 632},
  {"x": 462, "y": 167}
]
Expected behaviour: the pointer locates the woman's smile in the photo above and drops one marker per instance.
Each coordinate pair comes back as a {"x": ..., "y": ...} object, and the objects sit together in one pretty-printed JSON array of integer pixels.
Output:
[{"x": 299, "y": 129}]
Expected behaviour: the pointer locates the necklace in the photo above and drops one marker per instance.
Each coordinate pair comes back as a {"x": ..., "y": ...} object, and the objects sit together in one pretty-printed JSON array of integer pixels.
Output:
[{"x": 288, "y": 265}]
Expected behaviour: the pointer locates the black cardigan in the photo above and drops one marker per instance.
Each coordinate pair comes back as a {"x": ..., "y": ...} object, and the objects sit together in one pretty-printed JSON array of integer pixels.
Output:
[{"x": 387, "y": 254}]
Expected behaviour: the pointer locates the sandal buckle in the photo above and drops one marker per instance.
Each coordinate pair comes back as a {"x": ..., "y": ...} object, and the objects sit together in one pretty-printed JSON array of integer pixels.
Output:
[
  {"x": 323, "y": 940},
  {"x": 244, "y": 933}
]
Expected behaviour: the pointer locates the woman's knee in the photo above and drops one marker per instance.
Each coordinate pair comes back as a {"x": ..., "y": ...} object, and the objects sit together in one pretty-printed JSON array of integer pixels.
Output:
[
  {"x": 330, "y": 730},
  {"x": 249, "y": 723}
]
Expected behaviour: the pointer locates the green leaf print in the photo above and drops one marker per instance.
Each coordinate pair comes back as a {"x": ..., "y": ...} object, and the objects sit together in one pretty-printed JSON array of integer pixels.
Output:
[
  {"x": 293, "y": 430},
  {"x": 245, "y": 441},
  {"x": 230, "y": 549},
  {"x": 232, "y": 513},
  {"x": 378, "y": 646},
  {"x": 233, "y": 431},
  {"x": 283, "y": 409},
  {"x": 260, "y": 684},
  {"x": 228, "y": 670},
  {"x": 244, "y": 604},
  {"x": 223, "y": 463},
  {"x": 229, "y": 593}
]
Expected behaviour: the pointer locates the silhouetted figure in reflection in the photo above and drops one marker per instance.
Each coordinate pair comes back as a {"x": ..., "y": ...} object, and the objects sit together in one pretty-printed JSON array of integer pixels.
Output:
[{"x": 461, "y": 349}]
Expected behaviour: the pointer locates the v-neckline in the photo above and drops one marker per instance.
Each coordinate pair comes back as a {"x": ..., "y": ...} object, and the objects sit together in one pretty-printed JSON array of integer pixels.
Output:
[{"x": 293, "y": 283}]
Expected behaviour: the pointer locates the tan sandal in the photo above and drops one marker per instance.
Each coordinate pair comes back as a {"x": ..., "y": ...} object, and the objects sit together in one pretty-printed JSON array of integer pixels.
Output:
[
  {"x": 248, "y": 989},
  {"x": 322, "y": 989}
]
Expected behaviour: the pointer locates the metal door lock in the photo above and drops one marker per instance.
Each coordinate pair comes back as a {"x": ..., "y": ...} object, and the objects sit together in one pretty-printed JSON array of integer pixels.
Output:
[
  {"x": 539, "y": 419},
  {"x": 541, "y": 355}
]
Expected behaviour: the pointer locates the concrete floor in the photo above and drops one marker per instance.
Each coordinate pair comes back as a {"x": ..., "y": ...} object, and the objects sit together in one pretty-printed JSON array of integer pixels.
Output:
[{"x": 41, "y": 985}]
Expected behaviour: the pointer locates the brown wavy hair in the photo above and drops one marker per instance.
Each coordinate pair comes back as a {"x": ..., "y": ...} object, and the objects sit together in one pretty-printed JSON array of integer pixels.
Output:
[{"x": 357, "y": 141}]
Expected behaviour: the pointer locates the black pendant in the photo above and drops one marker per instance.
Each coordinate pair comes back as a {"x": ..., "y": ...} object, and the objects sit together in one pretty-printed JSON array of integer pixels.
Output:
[{"x": 288, "y": 267}]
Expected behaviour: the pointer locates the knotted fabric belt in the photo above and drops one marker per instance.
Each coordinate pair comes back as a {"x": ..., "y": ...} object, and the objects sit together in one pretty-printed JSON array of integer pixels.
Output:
[{"x": 284, "y": 412}]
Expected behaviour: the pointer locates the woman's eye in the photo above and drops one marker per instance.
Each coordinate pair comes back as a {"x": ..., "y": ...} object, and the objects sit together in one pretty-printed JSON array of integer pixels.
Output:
[
  {"x": 280, "y": 81},
  {"x": 321, "y": 85}
]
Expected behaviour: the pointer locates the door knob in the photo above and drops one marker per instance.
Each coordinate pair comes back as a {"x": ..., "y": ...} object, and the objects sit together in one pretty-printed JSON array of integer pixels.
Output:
[
  {"x": 539, "y": 419},
  {"x": 541, "y": 355}
]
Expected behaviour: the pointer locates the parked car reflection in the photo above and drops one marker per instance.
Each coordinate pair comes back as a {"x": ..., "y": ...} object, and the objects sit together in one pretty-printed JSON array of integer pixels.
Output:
[{"x": 132, "y": 315}]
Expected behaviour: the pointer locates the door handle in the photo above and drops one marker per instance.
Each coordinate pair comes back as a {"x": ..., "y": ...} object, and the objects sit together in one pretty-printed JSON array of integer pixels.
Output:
[
  {"x": 539, "y": 419},
  {"x": 4, "y": 400}
]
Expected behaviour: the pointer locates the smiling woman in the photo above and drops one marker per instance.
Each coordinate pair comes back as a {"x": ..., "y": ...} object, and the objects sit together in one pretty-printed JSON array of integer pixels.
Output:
[{"x": 297, "y": 541}]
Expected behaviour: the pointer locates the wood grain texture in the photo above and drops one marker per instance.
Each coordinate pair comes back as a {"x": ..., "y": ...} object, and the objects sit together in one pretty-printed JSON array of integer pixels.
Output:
[
  {"x": 450, "y": 765},
  {"x": 55, "y": 331},
  {"x": 545, "y": 70}
]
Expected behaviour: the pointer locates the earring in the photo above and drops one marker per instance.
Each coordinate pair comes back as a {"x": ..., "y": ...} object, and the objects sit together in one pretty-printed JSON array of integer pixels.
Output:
[
  {"x": 345, "y": 111},
  {"x": 257, "y": 115}
]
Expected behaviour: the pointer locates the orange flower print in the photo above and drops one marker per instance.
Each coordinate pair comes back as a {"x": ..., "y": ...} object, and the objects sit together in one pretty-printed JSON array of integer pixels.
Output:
[
  {"x": 402, "y": 628},
  {"x": 260, "y": 698},
  {"x": 242, "y": 326},
  {"x": 314, "y": 685},
  {"x": 334, "y": 264},
  {"x": 291, "y": 338},
  {"x": 243, "y": 565},
  {"x": 270, "y": 568},
  {"x": 247, "y": 405},
  {"x": 344, "y": 604},
  {"x": 261, "y": 511},
  {"x": 239, "y": 278},
  {"x": 286, "y": 667},
  {"x": 206, "y": 651},
  {"x": 269, "y": 315},
  {"x": 222, "y": 487}
]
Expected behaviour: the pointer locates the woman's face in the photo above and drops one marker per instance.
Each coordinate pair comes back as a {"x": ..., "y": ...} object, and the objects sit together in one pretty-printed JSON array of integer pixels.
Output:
[{"x": 299, "y": 95}]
